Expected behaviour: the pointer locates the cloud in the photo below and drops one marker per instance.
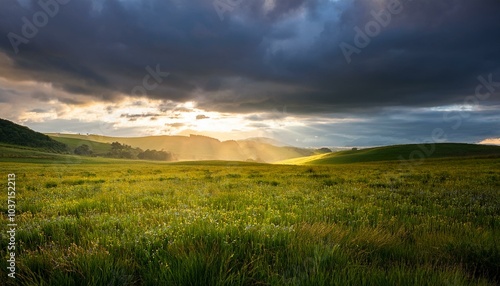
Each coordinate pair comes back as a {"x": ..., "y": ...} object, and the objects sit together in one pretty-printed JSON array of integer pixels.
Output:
[
  {"x": 38, "y": 110},
  {"x": 175, "y": 125},
  {"x": 274, "y": 115},
  {"x": 259, "y": 125},
  {"x": 429, "y": 54},
  {"x": 269, "y": 60},
  {"x": 201, "y": 116},
  {"x": 143, "y": 115}
]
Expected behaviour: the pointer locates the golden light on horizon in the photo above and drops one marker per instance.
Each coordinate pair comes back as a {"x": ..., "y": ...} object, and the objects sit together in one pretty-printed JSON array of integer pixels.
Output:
[
  {"x": 146, "y": 117},
  {"x": 491, "y": 141}
]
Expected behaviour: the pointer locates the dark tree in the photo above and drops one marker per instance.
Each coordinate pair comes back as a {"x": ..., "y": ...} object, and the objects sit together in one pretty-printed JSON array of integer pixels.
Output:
[
  {"x": 324, "y": 150},
  {"x": 117, "y": 146},
  {"x": 83, "y": 150}
]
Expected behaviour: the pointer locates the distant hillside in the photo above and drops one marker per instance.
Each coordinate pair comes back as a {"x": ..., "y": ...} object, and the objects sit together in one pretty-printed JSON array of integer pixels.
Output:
[
  {"x": 195, "y": 147},
  {"x": 393, "y": 153},
  {"x": 14, "y": 134},
  {"x": 97, "y": 148}
]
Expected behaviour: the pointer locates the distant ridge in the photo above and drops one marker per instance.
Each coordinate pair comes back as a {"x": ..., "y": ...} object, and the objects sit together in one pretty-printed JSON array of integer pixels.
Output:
[
  {"x": 198, "y": 147},
  {"x": 394, "y": 153},
  {"x": 15, "y": 134}
]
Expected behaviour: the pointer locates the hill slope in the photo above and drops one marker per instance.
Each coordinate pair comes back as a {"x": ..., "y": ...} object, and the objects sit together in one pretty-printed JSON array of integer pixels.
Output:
[
  {"x": 14, "y": 134},
  {"x": 97, "y": 148},
  {"x": 393, "y": 153},
  {"x": 195, "y": 147}
]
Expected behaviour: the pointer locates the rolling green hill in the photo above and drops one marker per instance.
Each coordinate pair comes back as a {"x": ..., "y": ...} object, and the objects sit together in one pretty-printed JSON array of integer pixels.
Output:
[
  {"x": 97, "y": 148},
  {"x": 393, "y": 153},
  {"x": 14, "y": 134}
]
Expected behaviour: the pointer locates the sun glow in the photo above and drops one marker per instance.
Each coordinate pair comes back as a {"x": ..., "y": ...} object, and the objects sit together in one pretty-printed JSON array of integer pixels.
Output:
[
  {"x": 145, "y": 117},
  {"x": 130, "y": 117}
]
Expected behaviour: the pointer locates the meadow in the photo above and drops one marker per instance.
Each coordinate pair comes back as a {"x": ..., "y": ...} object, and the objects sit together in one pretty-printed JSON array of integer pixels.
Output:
[{"x": 221, "y": 223}]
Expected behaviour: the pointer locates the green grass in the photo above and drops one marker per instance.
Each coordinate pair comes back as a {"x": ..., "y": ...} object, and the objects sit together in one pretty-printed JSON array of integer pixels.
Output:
[
  {"x": 116, "y": 222},
  {"x": 394, "y": 153},
  {"x": 14, "y": 151}
]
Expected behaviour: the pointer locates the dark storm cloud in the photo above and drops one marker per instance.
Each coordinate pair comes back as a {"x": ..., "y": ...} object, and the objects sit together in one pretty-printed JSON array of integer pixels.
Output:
[{"x": 429, "y": 54}]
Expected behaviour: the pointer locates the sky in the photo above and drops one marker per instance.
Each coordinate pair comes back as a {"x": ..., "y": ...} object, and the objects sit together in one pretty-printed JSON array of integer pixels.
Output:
[{"x": 307, "y": 73}]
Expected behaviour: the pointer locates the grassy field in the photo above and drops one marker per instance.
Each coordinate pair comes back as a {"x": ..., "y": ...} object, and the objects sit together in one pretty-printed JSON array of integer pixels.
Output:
[{"x": 113, "y": 222}]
